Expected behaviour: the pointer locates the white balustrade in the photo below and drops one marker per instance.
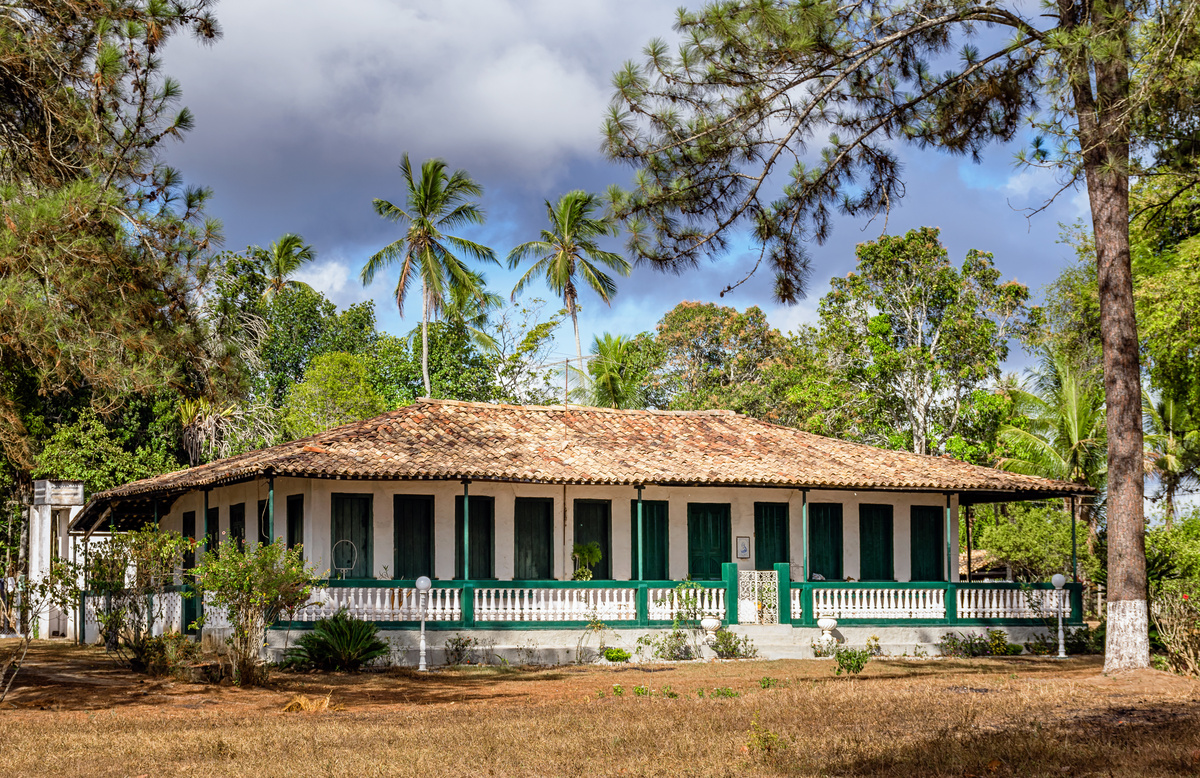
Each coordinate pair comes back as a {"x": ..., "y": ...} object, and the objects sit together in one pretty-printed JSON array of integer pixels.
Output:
[
  {"x": 166, "y": 608},
  {"x": 376, "y": 603},
  {"x": 666, "y": 604},
  {"x": 1011, "y": 603},
  {"x": 537, "y": 604},
  {"x": 877, "y": 603}
]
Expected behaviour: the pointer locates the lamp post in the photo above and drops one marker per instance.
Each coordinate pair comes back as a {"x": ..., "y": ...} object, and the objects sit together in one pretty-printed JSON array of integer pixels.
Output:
[
  {"x": 423, "y": 586},
  {"x": 1058, "y": 580}
]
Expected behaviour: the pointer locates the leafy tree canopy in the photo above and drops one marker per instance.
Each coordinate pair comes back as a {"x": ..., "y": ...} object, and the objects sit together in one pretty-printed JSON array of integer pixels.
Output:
[{"x": 336, "y": 390}]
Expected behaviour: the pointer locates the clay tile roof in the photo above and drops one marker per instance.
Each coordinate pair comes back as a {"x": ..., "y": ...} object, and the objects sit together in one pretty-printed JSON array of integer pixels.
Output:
[{"x": 446, "y": 439}]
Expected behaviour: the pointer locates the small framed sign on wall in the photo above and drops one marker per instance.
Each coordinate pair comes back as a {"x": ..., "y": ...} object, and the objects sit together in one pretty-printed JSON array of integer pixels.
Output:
[{"x": 743, "y": 548}]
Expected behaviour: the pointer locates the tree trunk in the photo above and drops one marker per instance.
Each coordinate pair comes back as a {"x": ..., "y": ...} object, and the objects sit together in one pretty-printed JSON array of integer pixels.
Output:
[
  {"x": 1104, "y": 143},
  {"x": 575, "y": 323},
  {"x": 425, "y": 340}
]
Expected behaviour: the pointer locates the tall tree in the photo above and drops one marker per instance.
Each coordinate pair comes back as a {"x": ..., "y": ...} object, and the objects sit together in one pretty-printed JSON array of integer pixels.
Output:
[
  {"x": 282, "y": 259},
  {"x": 918, "y": 335},
  {"x": 104, "y": 248},
  {"x": 434, "y": 203},
  {"x": 568, "y": 251},
  {"x": 720, "y": 133}
]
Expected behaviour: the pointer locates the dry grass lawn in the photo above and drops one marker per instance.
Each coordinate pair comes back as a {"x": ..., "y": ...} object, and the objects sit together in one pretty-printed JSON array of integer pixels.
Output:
[{"x": 75, "y": 714}]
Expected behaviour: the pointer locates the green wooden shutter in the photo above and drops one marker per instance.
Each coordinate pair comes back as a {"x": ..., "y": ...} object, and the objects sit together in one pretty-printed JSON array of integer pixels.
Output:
[
  {"x": 656, "y": 530},
  {"x": 927, "y": 543},
  {"x": 237, "y": 524},
  {"x": 710, "y": 531},
  {"x": 212, "y": 529},
  {"x": 593, "y": 523},
  {"x": 412, "y": 536},
  {"x": 875, "y": 543},
  {"x": 295, "y": 520},
  {"x": 352, "y": 520},
  {"x": 189, "y": 532},
  {"x": 825, "y": 540},
  {"x": 483, "y": 538},
  {"x": 770, "y": 535},
  {"x": 534, "y": 539}
]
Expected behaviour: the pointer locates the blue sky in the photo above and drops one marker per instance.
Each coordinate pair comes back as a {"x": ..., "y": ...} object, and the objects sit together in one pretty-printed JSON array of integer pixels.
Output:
[{"x": 302, "y": 115}]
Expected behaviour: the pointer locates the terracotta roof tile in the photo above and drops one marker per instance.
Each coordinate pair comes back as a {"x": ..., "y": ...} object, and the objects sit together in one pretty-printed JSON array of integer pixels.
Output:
[{"x": 451, "y": 440}]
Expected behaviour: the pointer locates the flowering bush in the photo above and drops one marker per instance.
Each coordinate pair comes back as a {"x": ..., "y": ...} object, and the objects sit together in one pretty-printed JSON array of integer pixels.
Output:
[{"x": 1175, "y": 608}]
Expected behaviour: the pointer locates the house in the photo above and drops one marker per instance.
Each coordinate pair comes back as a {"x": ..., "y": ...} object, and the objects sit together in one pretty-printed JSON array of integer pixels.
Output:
[{"x": 777, "y": 525}]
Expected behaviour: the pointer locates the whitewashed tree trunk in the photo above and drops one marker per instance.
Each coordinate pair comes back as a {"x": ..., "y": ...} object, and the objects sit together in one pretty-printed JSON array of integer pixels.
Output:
[{"x": 1127, "y": 639}]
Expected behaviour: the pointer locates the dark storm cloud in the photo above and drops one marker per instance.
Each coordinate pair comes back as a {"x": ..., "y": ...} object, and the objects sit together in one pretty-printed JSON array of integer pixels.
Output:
[{"x": 304, "y": 108}]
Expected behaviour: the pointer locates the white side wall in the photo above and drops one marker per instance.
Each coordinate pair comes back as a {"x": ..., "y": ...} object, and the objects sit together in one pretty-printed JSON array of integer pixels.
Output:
[{"x": 317, "y": 495}]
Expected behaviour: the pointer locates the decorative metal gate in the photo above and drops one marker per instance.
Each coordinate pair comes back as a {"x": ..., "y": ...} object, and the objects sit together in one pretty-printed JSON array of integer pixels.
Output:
[{"x": 758, "y": 597}]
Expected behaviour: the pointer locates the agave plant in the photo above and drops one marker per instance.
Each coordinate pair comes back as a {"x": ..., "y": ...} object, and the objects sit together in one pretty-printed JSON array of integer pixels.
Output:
[{"x": 340, "y": 642}]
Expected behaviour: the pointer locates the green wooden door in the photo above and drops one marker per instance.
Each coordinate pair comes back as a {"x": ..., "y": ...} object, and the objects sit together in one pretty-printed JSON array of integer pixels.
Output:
[
  {"x": 482, "y": 539},
  {"x": 770, "y": 535},
  {"x": 825, "y": 540},
  {"x": 412, "y": 536},
  {"x": 927, "y": 544},
  {"x": 593, "y": 524},
  {"x": 237, "y": 524},
  {"x": 655, "y": 531},
  {"x": 295, "y": 520},
  {"x": 352, "y": 520},
  {"x": 264, "y": 528},
  {"x": 875, "y": 543},
  {"x": 710, "y": 531},
  {"x": 533, "y": 543}
]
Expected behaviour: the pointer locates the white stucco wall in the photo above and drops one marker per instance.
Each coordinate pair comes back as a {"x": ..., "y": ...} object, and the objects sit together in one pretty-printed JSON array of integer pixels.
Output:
[{"x": 317, "y": 495}]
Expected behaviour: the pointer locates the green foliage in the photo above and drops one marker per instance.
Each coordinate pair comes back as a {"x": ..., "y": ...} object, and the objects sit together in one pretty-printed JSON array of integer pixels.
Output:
[
  {"x": 87, "y": 450},
  {"x": 435, "y": 202},
  {"x": 729, "y": 646},
  {"x": 586, "y": 556},
  {"x": 763, "y": 743},
  {"x": 105, "y": 249},
  {"x": 131, "y": 572},
  {"x": 336, "y": 390},
  {"x": 567, "y": 256},
  {"x": 723, "y": 692},
  {"x": 340, "y": 642},
  {"x": 1034, "y": 540},
  {"x": 254, "y": 585},
  {"x": 167, "y": 654},
  {"x": 460, "y": 649},
  {"x": 972, "y": 644},
  {"x": 675, "y": 646},
  {"x": 616, "y": 655},
  {"x": 641, "y": 691},
  {"x": 58, "y": 588},
  {"x": 851, "y": 660},
  {"x": 930, "y": 333},
  {"x": 1175, "y": 609},
  {"x": 619, "y": 371}
]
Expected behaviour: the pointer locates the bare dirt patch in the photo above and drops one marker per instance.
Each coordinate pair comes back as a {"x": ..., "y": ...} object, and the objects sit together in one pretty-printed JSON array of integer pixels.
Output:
[{"x": 76, "y": 713}]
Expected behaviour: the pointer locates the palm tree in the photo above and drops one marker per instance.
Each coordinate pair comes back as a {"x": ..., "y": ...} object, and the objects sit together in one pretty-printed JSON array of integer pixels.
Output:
[
  {"x": 1172, "y": 446},
  {"x": 1063, "y": 436},
  {"x": 434, "y": 203},
  {"x": 282, "y": 259},
  {"x": 568, "y": 251},
  {"x": 613, "y": 370}
]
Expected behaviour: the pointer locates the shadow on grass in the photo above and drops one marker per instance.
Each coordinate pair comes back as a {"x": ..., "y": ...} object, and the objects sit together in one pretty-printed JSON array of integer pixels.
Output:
[{"x": 1160, "y": 740}]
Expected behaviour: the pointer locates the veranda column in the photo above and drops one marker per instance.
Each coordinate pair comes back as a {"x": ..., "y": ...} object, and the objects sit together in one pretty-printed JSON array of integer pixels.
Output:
[
  {"x": 641, "y": 537},
  {"x": 466, "y": 530}
]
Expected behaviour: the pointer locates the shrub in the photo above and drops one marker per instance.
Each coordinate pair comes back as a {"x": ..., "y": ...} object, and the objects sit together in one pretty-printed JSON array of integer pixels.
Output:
[
  {"x": 460, "y": 649},
  {"x": 723, "y": 692},
  {"x": 340, "y": 642},
  {"x": 763, "y": 743},
  {"x": 730, "y": 646},
  {"x": 851, "y": 660},
  {"x": 161, "y": 655},
  {"x": 968, "y": 644},
  {"x": 1175, "y": 608},
  {"x": 614, "y": 654},
  {"x": 674, "y": 645},
  {"x": 254, "y": 585}
]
